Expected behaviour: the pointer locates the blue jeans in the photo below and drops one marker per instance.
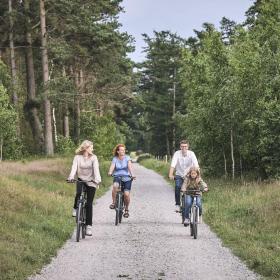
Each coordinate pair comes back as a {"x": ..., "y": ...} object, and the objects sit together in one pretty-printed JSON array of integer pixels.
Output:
[
  {"x": 178, "y": 184},
  {"x": 188, "y": 205}
]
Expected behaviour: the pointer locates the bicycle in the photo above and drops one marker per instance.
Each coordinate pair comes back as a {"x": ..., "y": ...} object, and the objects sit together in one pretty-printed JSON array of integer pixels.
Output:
[
  {"x": 119, "y": 203},
  {"x": 81, "y": 211},
  {"x": 182, "y": 206},
  {"x": 194, "y": 212}
]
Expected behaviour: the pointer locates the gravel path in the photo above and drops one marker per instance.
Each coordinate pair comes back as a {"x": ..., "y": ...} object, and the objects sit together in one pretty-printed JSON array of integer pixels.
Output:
[{"x": 150, "y": 244}]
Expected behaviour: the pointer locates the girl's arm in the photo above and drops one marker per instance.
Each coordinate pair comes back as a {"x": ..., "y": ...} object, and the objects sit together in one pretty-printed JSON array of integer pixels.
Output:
[{"x": 203, "y": 186}]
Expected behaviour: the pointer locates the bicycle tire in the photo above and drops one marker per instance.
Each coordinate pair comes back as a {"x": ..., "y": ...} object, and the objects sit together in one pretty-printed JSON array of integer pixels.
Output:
[
  {"x": 78, "y": 229},
  {"x": 84, "y": 222},
  {"x": 195, "y": 222},
  {"x": 121, "y": 209},
  {"x": 117, "y": 210},
  {"x": 191, "y": 221}
]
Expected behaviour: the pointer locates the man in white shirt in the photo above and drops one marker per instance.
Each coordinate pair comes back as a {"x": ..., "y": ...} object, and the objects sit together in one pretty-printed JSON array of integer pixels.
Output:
[{"x": 182, "y": 161}]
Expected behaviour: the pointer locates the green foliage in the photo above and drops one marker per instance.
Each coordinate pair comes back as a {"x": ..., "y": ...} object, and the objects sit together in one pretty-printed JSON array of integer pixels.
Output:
[
  {"x": 143, "y": 157},
  {"x": 12, "y": 147},
  {"x": 64, "y": 145},
  {"x": 244, "y": 224},
  {"x": 104, "y": 133},
  {"x": 158, "y": 81}
]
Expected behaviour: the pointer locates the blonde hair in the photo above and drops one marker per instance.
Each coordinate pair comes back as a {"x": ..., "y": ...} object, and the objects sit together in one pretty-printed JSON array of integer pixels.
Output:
[{"x": 85, "y": 144}]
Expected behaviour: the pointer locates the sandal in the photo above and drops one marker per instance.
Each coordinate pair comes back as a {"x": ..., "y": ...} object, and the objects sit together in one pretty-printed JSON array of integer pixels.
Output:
[
  {"x": 112, "y": 206},
  {"x": 126, "y": 214}
]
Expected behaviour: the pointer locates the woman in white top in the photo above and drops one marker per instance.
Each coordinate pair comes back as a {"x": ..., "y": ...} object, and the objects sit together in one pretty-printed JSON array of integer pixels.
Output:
[{"x": 86, "y": 167}]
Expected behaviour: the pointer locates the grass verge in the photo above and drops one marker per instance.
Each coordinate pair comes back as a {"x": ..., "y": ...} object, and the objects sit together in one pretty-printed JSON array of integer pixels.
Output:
[
  {"x": 246, "y": 216},
  {"x": 35, "y": 209}
]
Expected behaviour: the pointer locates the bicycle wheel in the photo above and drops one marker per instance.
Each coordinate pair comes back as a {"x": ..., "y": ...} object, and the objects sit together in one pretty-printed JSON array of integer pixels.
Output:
[
  {"x": 121, "y": 209},
  {"x": 195, "y": 222},
  {"x": 117, "y": 208},
  {"x": 79, "y": 219},
  {"x": 84, "y": 222},
  {"x": 191, "y": 222}
]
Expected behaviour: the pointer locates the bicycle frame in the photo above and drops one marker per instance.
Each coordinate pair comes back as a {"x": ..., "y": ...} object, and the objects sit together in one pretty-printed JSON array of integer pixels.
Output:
[
  {"x": 194, "y": 213},
  {"x": 119, "y": 205},
  {"x": 81, "y": 213}
]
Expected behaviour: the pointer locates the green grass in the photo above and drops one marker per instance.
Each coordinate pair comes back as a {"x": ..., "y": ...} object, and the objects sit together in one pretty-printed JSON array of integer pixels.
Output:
[
  {"x": 35, "y": 213},
  {"x": 246, "y": 216}
]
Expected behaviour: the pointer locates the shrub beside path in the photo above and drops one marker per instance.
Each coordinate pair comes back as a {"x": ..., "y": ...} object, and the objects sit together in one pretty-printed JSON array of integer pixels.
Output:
[{"x": 150, "y": 244}]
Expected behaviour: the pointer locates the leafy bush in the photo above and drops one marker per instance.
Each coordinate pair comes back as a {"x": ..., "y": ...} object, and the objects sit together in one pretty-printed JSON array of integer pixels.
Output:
[
  {"x": 11, "y": 144},
  {"x": 143, "y": 156},
  {"x": 103, "y": 131},
  {"x": 64, "y": 145}
]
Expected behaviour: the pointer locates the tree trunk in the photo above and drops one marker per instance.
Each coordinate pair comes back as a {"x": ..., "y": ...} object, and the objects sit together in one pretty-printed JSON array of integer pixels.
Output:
[
  {"x": 167, "y": 145},
  {"x": 12, "y": 56},
  {"x": 66, "y": 122},
  {"x": 232, "y": 153},
  {"x": 174, "y": 112},
  {"x": 66, "y": 132},
  {"x": 49, "y": 150},
  {"x": 225, "y": 164},
  {"x": 31, "y": 104},
  {"x": 77, "y": 111},
  {"x": 54, "y": 125}
]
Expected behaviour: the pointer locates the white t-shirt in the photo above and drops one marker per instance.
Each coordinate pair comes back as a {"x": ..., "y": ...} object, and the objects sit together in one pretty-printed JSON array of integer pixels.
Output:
[{"x": 183, "y": 163}]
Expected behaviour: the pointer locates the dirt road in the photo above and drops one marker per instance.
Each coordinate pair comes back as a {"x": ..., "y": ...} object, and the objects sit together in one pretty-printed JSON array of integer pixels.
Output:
[{"x": 150, "y": 244}]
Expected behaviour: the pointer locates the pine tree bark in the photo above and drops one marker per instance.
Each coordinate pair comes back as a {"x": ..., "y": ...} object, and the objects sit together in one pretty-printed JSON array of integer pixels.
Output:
[
  {"x": 31, "y": 106},
  {"x": 77, "y": 110},
  {"x": 49, "y": 149},
  {"x": 12, "y": 55},
  {"x": 225, "y": 164},
  {"x": 66, "y": 132}
]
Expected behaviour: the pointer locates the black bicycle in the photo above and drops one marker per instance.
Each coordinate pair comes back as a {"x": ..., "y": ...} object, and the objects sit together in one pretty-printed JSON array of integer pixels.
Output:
[
  {"x": 119, "y": 203},
  {"x": 81, "y": 211},
  {"x": 194, "y": 212}
]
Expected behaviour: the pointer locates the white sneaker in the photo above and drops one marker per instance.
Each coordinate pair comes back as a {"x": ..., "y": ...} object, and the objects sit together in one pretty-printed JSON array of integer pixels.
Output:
[
  {"x": 74, "y": 212},
  {"x": 177, "y": 208},
  {"x": 186, "y": 222},
  {"x": 88, "y": 231}
]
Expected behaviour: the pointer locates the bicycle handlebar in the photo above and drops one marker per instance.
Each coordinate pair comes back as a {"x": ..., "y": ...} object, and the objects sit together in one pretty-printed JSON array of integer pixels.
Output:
[
  {"x": 75, "y": 180},
  {"x": 118, "y": 176}
]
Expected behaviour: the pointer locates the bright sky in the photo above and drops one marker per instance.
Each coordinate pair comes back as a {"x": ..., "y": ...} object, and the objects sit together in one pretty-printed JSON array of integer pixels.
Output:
[{"x": 180, "y": 16}]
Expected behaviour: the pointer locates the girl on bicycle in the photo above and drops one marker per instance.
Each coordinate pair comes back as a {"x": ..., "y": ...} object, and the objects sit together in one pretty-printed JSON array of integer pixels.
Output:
[
  {"x": 86, "y": 167},
  {"x": 193, "y": 181},
  {"x": 121, "y": 170}
]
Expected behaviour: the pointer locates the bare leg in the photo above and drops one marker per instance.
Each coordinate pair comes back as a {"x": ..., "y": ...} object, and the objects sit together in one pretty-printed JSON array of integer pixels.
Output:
[
  {"x": 126, "y": 199},
  {"x": 114, "y": 192}
]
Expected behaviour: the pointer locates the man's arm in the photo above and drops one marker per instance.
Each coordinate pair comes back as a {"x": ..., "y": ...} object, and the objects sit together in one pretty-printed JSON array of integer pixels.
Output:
[
  {"x": 172, "y": 166},
  {"x": 171, "y": 173}
]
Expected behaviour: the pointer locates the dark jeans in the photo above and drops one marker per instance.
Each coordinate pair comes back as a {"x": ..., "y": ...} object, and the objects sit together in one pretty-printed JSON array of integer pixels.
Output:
[
  {"x": 178, "y": 184},
  {"x": 90, "y": 197},
  {"x": 188, "y": 205}
]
